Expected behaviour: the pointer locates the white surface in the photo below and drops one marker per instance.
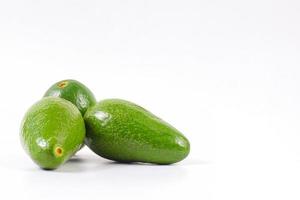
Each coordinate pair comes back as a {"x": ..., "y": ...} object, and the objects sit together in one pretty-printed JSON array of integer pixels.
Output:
[{"x": 225, "y": 73}]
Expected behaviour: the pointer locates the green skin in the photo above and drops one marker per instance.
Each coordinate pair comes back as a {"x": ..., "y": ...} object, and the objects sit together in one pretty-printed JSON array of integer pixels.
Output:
[
  {"x": 52, "y": 131},
  {"x": 73, "y": 91},
  {"x": 122, "y": 131}
]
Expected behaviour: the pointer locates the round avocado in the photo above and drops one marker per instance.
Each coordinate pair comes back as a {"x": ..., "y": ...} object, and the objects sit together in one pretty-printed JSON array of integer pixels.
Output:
[
  {"x": 123, "y": 131},
  {"x": 73, "y": 91},
  {"x": 52, "y": 131}
]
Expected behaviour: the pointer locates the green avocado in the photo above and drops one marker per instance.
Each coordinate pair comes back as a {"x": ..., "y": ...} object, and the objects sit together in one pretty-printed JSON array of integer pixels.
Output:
[
  {"x": 123, "y": 131},
  {"x": 73, "y": 91},
  {"x": 52, "y": 131}
]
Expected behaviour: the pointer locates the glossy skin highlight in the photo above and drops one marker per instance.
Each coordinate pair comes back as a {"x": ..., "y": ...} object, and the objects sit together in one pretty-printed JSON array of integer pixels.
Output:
[
  {"x": 123, "y": 131},
  {"x": 73, "y": 91},
  {"x": 52, "y": 131}
]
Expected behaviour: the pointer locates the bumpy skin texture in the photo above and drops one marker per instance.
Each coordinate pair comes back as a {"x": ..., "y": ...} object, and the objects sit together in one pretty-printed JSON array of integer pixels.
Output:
[
  {"x": 52, "y": 130},
  {"x": 122, "y": 131},
  {"x": 73, "y": 91}
]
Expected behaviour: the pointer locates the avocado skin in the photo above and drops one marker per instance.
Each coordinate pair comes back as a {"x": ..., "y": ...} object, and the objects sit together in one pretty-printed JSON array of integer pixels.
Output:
[
  {"x": 73, "y": 91},
  {"x": 123, "y": 131},
  {"x": 51, "y": 123}
]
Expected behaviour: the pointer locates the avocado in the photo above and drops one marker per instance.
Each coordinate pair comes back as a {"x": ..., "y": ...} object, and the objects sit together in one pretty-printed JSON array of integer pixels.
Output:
[
  {"x": 73, "y": 91},
  {"x": 123, "y": 131},
  {"x": 52, "y": 131}
]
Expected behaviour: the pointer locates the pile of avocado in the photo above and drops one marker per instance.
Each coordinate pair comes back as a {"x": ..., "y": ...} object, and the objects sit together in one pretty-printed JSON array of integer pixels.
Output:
[{"x": 68, "y": 116}]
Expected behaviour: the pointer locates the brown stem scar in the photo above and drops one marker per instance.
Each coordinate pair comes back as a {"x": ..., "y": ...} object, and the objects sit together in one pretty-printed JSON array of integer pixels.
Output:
[
  {"x": 62, "y": 84},
  {"x": 58, "y": 151}
]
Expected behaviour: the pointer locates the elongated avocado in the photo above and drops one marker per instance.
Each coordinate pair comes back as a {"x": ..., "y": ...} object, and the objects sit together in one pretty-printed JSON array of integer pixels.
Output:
[
  {"x": 123, "y": 131},
  {"x": 73, "y": 91},
  {"x": 52, "y": 130}
]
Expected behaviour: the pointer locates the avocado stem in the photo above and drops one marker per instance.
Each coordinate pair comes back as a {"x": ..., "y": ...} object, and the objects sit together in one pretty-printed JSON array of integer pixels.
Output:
[
  {"x": 62, "y": 84},
  {"x": 58, "y": 151}
]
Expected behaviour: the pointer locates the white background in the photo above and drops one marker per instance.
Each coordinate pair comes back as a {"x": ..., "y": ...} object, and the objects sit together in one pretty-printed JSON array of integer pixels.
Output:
[{"x": 225, "y": 73}]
